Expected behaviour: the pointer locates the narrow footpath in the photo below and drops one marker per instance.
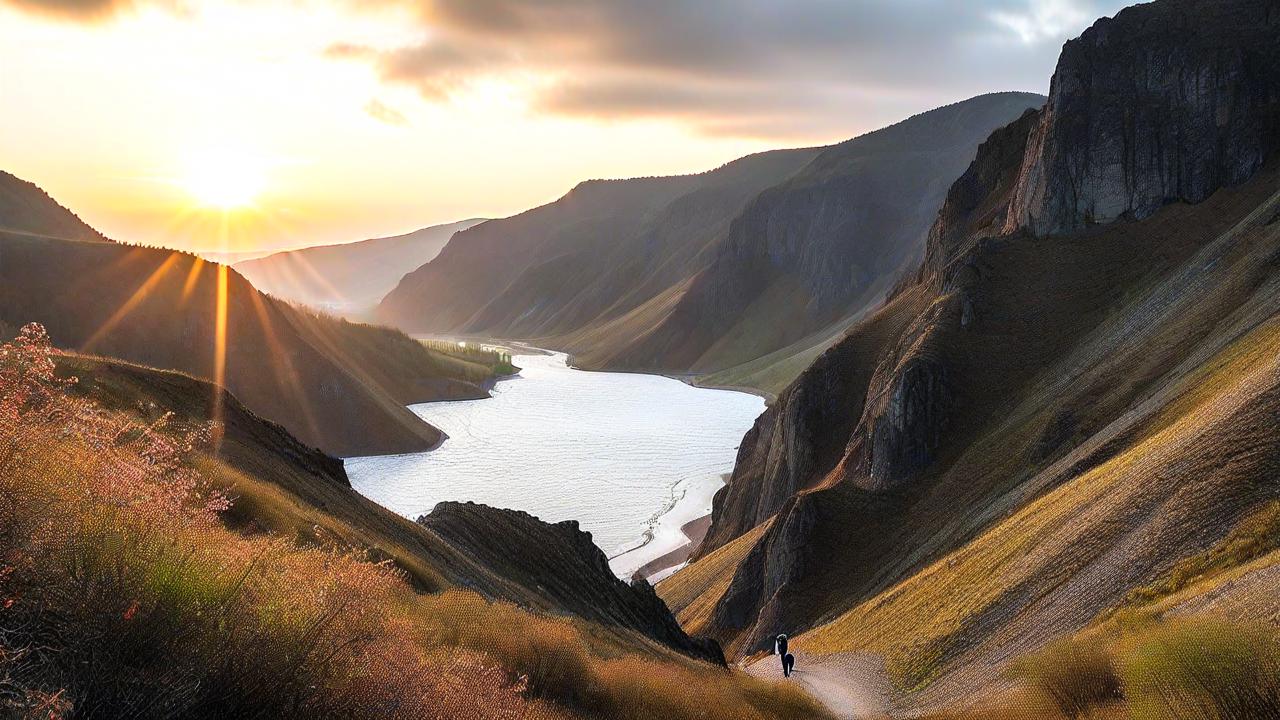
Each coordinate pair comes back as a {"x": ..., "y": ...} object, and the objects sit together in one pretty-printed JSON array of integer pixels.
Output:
[{"x": 853, "y": 686}]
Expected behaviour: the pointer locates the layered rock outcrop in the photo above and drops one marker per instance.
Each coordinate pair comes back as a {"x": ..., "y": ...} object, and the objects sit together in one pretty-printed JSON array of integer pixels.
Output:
[{"x": 1166, "y": 102}]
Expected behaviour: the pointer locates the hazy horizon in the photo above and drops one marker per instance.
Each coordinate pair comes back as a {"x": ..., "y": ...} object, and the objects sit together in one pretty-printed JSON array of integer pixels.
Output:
[{"x": 273, "y": 125}]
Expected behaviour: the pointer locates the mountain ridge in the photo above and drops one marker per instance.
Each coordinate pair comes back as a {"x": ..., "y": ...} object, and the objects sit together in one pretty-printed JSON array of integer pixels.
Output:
[{"x": 607, "y": 271}]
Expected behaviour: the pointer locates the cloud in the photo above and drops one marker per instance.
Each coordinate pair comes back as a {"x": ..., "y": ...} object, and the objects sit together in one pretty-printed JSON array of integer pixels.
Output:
[
  {"x": 736, "y": 66},
  {"x": 740, "y": 67},
  {"x": 383, "y": 113},
  {"x": 1046, "y": 20},
  {"x": 72, "y": 9}
]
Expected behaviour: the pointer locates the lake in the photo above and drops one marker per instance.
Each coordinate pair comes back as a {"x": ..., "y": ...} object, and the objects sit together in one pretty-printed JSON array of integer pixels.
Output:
[{"x": 631, "y": 457}]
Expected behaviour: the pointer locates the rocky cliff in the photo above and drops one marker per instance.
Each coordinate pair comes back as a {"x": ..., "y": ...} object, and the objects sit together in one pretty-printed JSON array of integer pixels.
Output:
[
  {"x": 941, "y": 414},
  {"x": 1165, "y": 102},
  {"x": 564, "y": 564}
]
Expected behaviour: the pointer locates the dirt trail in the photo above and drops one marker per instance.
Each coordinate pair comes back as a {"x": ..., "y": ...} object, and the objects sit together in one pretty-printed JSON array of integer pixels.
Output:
[{"x": 853, "y": 686}]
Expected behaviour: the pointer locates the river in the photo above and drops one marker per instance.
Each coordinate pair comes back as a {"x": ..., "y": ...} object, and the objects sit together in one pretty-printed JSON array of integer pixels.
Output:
[{"x": 631, "y": 457}]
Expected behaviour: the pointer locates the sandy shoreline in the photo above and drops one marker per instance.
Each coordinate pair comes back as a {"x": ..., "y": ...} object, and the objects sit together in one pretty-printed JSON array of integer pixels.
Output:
[{"x": 695, "y": 530}]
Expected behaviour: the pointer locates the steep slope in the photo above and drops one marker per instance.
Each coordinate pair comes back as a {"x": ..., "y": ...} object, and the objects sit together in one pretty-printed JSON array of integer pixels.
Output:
[
  {"x": 348, "y": 278},
  {"x": 337, "y": 385},
  {"x": 595, "y": 254},
  {"x": 565, "y": 566},
  {"x": 1033, "y": 426},
  {"x": 826, "y": 244},
  {"x": 26, "y": 209}
]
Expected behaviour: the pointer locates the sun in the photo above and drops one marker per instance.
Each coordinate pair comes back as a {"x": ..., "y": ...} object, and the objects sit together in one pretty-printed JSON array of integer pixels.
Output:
[{"x": 223, "y": 179}]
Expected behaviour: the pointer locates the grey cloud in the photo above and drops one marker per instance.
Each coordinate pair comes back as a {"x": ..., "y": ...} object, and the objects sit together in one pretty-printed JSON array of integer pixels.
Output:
[{"x": 745, "y": 67}]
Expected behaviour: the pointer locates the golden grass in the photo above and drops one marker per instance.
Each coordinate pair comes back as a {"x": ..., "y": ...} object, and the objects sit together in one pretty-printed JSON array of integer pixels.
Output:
[
  {"x": 1254, "y": 537},
  {"x": 1219, "y": 374},
  {"x": 1191, "y": 668},
  {"x": 692, "y": 593},
  {"x": 123, "y": 593}
]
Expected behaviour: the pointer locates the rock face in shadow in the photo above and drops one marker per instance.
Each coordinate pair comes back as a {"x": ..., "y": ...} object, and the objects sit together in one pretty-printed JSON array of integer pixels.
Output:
[
  {"x": 1166, "y": 102},
  {"x": 563, "y": 562},
  {"x": 829, "y": 241}
]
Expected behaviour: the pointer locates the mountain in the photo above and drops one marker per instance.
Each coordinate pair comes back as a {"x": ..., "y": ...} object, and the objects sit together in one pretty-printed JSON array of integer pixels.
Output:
[
  {"x": 337, "y": 385},
  {"x": 27, "y": 210},
  {"x": 772, "y": 253},
  {"x": 350, "y": 277},
  {"x": 1065, "y": 414},
  {"x": 597, "y": 255},
  {"x": 823, "y": 247}
]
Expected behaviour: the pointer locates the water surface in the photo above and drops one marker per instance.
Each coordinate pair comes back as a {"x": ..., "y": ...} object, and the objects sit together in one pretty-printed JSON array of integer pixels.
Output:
[{"x": 631, "y": 457}]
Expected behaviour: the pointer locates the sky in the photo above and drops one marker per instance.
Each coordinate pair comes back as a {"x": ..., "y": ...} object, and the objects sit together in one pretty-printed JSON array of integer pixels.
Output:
[{"x": 252, "y": 125}]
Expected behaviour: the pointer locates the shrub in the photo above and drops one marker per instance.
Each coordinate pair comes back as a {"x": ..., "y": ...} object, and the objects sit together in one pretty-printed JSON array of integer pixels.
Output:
[
  {"x": 1203, "y": 669},
  {"x": 1076, "y": 674}
]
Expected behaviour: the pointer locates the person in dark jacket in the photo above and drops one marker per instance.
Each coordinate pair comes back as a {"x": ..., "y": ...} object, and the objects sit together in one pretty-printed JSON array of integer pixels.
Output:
[{"x": 788, "y": 664}]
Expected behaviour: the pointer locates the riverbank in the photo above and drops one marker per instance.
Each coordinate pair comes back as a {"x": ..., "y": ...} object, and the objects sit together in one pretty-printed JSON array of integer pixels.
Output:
[{"x": 694, "y": 531}]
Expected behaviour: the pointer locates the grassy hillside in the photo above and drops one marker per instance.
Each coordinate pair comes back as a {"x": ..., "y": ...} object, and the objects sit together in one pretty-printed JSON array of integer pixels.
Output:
[
  {"x": 337, "y": 385},
  {"x": 148, "y": 573},
  {"x": 348, "y": 278},
  {"x": 26, "y": 210}
]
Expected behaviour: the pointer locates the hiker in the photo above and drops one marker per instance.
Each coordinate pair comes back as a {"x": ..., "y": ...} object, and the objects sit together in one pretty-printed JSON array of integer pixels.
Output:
[{"x": 788, "y": 664}]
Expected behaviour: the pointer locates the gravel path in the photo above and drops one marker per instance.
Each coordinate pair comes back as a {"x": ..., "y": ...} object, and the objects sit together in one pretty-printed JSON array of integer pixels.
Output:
[{"x": 853, "y": 686}]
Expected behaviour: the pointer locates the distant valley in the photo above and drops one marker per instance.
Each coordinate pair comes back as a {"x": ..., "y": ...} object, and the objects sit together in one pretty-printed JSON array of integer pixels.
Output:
[{"x": 350, "y": 278}]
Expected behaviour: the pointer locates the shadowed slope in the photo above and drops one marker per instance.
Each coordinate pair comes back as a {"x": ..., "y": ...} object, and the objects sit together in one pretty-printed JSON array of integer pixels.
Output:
[
  {"x": 26, "y": 209},
  {"x": 337, "y": 385}
]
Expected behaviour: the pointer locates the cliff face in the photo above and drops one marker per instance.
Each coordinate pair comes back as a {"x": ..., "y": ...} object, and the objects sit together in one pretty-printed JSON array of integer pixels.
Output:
[
  {"x": 827, "y": 243},
  {"x": 588, "y": 258},
  {"x": 565, "y": 566},
  {"x": 921, "y": 427},
  {"x": 1166, "y": 102}
]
